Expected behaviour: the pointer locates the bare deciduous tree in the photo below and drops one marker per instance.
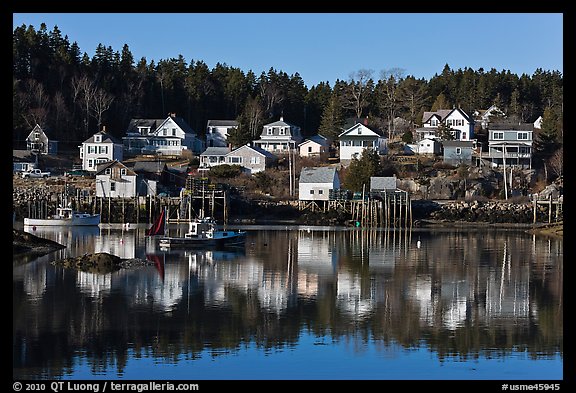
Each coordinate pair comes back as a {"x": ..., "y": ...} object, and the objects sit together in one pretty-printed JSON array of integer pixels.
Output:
[
  {"x": 360, "y": 85},
  {"x": 556, "y": 162},
  {"x": 36, "y": 102},
  {"x": 100, "y": 104},
  {"x": 83, "y": 91},
  {"x": 391, "y": 103}
]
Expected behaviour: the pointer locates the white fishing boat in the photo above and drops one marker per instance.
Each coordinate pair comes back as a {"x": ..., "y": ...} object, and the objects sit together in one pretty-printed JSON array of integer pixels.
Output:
[
  {"x": 202, "y": 232},
  {"x": 65, "y": 216}
]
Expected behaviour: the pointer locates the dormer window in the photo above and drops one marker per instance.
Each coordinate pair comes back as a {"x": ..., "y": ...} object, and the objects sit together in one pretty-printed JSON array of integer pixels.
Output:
[
  {"x": 97, "y": 138},
  {"x": 108, "y": 171},
  {"x": 123, "y": 172},
  {"x": 282, "y": 131},
  {"x": 270, "y": 131}
]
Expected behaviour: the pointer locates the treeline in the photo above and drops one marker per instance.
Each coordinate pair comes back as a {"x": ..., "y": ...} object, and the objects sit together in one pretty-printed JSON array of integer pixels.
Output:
[{"x": 71, "y": 94}]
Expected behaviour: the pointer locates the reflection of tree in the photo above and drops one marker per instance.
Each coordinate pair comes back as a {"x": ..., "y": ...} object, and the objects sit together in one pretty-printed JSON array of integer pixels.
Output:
[{"x": 409, "y": 299}]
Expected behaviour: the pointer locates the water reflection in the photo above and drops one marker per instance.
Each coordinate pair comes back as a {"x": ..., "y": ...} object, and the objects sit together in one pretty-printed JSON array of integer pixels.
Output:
[{"x": 457, "y": 293}]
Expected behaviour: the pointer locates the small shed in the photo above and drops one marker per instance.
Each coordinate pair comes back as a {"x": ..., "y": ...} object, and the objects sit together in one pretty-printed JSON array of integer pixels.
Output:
[{"x": 315, "y": 183}]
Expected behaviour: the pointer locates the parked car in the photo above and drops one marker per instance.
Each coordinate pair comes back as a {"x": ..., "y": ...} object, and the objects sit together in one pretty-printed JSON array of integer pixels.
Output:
[
  {"x": 77, "y": 172},
  {"x": 35, "y": 173}
]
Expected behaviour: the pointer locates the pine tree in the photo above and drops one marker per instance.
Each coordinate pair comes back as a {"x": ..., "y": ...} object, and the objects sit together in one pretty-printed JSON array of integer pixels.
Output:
[{"x": 361, "y": 170}]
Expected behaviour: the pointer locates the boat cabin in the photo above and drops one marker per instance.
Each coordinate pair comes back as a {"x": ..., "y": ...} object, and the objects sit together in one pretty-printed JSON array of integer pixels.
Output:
[{"x": 201, "y": 229}]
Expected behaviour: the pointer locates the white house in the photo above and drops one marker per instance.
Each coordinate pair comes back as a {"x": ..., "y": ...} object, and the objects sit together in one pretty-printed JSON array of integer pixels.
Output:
[
  {"x": 99, "y": 148},
  {"x": 279, "y": 137},
  {"x": 428, "y": 146},
  {"x": 115, "y": 180},
  {"x": 171, "y": 136},
  {"x": 316, "y": 182},
  {"x": 38, "y": 142},
  {"x": 538, "y": 122},
  {"x": 313, "y": 146},
  {"x": 458, "y": 120},
  {"x": 213, "y": 156},
  {"x": 357, "y": 138},
  {"x": 217, "y": 132},
  {"x": 486, "y": 116}
]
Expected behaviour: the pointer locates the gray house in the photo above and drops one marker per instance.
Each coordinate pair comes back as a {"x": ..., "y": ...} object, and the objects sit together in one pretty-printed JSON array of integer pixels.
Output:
[
  {"x": 458, "y": 152},
  {"x": 316, "y": 182},
  {"x": 511, "y": 142},
  {"x": 213, "y": 156},
  {"x": 383, "y": 184},
  {"x": 252, "y": 159},
  {"x": 38, "y": 142}
]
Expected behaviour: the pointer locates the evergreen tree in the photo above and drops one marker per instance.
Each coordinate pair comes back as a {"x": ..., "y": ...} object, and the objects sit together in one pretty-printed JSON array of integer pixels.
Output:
[
  {"x": 332, "y": 122},
  {"x": 440, "y": 103},
  {"x": 360, "y": 170}
]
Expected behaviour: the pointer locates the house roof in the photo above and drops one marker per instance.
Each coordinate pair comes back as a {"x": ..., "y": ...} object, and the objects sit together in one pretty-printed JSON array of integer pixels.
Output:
[
  {"x": 383, "y": 183},
  {"x": 149, "y": 166},
  {"x": 458, "y": 144},
  {"x": 215, "y": 151},
  {"x": 355, "y": 126},
  {"x": 256, "y": 149},
  {"x": 443, "y": 114},
  {"x": 222, "y": 123},
  {"x": 102, "y": 167},
  {"x": 153, "y": 124},
  {"x": 106, "y": 138},
  {"x": 22, "y": 154},
  {"x": 319, "y": 139},
  {"x": 280, "y": 123},
  {"x": 512, "y": 126},
  {"x": 322, "y": 174},
  {"x": 180, "y": 122}
]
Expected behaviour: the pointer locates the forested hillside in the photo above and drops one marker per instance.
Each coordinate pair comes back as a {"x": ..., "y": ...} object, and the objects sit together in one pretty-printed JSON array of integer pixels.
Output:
[{"x": 59, "y": 86}]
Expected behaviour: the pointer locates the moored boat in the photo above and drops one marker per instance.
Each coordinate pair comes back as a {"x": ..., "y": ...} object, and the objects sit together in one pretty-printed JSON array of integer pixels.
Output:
[
  {"x": 65, "y": 216},
  {"x": 202, "y": 232}
]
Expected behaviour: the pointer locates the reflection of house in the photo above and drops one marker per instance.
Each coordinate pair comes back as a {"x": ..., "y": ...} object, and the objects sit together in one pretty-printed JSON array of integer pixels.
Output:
[
  {"x": 313, "y": 146},
  {"x": 279, "y": 137},
  {"x": 357, "y": 138},
  {"x": 458, "y": 152},
  {"x": 115, "y": 180},
  {"x": 122, "y": 246},
  {"x": 316, "y": 182},
  {"x": 350, "y": 297},
  {"x": 217, "y": 132},
  {"x": 92, "y": 284},
  {"x": 38, "y": 142},
  {"x": 99, "y": 148},
  {"x": 510, "y": 141}
]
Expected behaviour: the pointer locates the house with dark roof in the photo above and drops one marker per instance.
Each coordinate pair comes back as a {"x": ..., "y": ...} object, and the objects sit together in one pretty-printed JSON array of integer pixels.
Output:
[
  {"x": 213, "y": 156},
  {"x": 252, "y": 159},
  {"x": 279, "y": 137},
  {"x": 511, "y": 142},
  {"x": 217, "y": 132},
  {"x": 460, "y": 123},
  {"x": 170, "y": 136},
  {"x": 23, "y": 160},
  {"x": 315, "y": 183},
  {"x": 99, "y": 148},
  {"x": 39, "y": 143},
  {"x": 458, "y": 152},
  {"x": 115, "y": 180},
  {"x": 313, "y": 146}
]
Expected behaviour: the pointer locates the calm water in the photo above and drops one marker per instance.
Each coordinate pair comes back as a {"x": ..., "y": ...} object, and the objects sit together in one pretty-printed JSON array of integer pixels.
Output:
[{"x": 297, "y": 303}]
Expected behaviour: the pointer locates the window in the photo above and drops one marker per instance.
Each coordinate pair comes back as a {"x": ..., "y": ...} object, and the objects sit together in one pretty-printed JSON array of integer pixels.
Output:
[
  {"x": 311, "y": 192},
  {"x": 458, "y": 151},
  {"x": 90, "y": 163},
  {"x": 112, "y": 186},
  {"x": 522, "y": 136},
  {"x": 497, "y": 135},
  {"x": 270, "y": 131},
  {"x": 255, "y": 160},
  {"x": 357, "y": 143},
  {"x": 97, "y": 138},
  {"x": 359, "y": 130},
  {"x": 108, "y": 171},
  {"x": 173, "y": 131},
  {"x": 123, "y": 172},
  {"x": 282, "y": 131},
  {"x": 320, "y": 192},
  {"x": 164, "y": 131},
  {"x": 235, "y": 160},
  {"x": 434, "y": 122},
  {"x": 309, "y": 149},
  {"x": 463, "y": 135}
]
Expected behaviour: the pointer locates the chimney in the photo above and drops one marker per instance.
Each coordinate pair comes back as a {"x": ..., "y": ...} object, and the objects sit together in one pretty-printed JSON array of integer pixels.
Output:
[
  {"x": 172, "y": 114},
  {"x": 103, "y": 128},
  {"x": 281, "y": 118}
]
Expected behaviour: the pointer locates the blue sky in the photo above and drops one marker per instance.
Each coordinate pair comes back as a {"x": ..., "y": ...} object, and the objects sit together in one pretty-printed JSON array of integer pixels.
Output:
[{"x": 325, "y": 46}]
